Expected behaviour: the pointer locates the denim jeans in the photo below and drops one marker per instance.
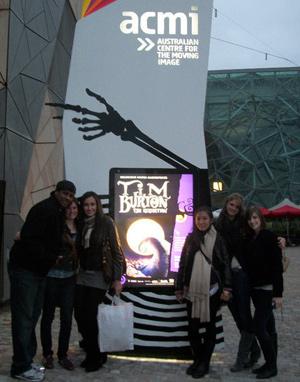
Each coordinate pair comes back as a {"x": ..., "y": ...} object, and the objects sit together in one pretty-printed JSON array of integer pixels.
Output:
[
  {"x": 26, "y": 301},
  {"x": 240, "y": 306},
  {"x": 59, "y": 293}
]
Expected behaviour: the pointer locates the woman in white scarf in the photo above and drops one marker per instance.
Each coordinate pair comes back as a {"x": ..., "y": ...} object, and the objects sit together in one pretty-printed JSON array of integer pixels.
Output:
[{"x": 204, "y": 280}]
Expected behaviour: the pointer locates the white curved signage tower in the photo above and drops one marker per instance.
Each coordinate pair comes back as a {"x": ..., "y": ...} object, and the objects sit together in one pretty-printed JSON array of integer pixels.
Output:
[{"x": 148, "y": 59}]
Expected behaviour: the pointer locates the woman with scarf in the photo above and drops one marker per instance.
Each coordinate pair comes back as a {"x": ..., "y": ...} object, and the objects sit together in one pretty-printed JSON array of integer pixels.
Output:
[
  {"x": 93, "y": 278},
  {"x": 204, "y": 281}
]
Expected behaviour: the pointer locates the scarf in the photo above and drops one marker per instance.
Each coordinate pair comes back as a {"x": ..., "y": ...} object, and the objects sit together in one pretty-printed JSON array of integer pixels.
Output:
[
  {"x": 200, "y": 278},
  {"x": 89, "y": 224}
]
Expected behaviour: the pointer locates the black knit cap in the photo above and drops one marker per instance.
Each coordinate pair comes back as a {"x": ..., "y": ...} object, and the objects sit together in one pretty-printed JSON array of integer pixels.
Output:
[{"x": 66, "y": 185}]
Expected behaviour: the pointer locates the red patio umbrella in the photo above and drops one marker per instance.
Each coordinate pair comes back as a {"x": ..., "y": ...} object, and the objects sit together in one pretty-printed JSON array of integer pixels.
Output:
[
  {"x": 265, "y": 211},
  {"x": 285, "y": 209}
]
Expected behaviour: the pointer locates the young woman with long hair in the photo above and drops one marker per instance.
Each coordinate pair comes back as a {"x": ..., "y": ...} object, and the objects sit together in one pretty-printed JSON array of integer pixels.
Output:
[
  {"x": 92, "y": 283},
  {"x": 230, "y": 224},
  {"x": 59, "y": 292},
  {"x": 263, "y": 264},
  {"x": 203, "y": 280}
]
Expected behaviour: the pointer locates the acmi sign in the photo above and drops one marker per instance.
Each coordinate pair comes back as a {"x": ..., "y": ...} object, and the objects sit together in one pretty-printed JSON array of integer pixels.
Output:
[{"x": 160, "y": 23}]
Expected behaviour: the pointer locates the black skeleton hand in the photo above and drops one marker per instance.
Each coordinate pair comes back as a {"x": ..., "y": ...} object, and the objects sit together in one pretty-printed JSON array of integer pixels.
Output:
[{"x": 105, "y": 122}]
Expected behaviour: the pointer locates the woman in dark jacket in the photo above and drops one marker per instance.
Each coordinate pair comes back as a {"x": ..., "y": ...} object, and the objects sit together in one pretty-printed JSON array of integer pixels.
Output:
[
  {"x": 94, "y": 279},
  {"x": 59, "y": 292},
  {"x": 204, "y": 280},
  {"x": 263, "y": 262},
  {"x": 230, "y": 225}
]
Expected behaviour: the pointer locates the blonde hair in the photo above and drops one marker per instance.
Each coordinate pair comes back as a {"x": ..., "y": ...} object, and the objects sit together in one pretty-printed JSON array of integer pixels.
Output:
[{"x": 235, "y": 196}]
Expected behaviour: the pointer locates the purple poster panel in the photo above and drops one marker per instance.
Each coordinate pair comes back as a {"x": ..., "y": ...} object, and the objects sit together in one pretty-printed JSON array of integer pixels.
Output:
[
  {"x": 153, "y": 212},
  {"x": 184, "y": 219}
]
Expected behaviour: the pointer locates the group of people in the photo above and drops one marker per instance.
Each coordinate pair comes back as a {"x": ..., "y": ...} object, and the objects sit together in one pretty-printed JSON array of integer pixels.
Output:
[
  {"x": 57, "y": 261},
  {"x": 234, "y": 260}
]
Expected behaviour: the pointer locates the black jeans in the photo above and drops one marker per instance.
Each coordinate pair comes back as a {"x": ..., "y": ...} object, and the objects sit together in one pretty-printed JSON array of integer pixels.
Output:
[
  {"x": 26, "y": 301},
  {"x": 239, "y": 305},
  {"x": 202, "y": 350},
  {"x": 264, "y": 323},
  {"x": 59, "y": 293},
  {"x": 86, "y": 304}
]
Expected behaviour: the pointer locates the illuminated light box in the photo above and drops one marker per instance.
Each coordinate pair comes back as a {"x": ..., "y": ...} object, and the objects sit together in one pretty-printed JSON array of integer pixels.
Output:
[{"x": 153, "y": 209}]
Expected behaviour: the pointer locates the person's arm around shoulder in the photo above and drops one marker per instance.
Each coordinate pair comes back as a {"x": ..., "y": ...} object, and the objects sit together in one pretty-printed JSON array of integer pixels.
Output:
[{"x": 35, "y": 229}]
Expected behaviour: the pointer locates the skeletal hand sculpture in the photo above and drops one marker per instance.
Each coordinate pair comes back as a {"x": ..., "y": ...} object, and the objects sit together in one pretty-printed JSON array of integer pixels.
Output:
[{"x": 112, "y": 122}]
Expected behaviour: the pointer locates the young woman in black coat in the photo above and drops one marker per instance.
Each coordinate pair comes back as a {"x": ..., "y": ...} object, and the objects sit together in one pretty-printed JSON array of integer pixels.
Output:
[
  {"x": 204, "y": 280},
  {"x": 263, "y": 264},
  {"x": 230, "y": 224}
]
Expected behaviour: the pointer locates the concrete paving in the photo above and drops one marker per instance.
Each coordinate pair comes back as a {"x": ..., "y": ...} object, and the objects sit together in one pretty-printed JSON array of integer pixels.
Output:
[{"x": 162, "y": 370}]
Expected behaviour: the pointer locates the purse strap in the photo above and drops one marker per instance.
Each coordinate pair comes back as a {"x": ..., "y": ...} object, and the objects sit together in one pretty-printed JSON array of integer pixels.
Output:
[{"x": 205, "y": 256}]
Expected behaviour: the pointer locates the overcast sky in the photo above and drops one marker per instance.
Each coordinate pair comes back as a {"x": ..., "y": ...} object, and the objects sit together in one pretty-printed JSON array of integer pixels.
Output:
[{"x": 271, "y": 26}]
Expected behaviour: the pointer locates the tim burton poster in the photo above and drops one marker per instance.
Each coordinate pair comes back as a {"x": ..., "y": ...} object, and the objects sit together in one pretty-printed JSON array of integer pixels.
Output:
[
  {"x": 136, "y": 88},
  {"x": 154, "y": 213}
]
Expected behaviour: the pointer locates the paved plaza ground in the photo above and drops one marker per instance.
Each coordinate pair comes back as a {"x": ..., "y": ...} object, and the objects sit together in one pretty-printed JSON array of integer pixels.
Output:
[{"x": 159, "y": 370}]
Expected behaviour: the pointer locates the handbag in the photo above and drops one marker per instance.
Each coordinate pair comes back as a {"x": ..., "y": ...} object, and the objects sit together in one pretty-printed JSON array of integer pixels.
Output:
[
  {"x": 107, "y": 261},
  {"x": 115, "y": 323}
]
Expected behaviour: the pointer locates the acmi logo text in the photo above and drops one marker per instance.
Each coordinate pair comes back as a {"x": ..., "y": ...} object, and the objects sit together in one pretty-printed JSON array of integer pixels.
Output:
[{"x": 160, "y": 23}]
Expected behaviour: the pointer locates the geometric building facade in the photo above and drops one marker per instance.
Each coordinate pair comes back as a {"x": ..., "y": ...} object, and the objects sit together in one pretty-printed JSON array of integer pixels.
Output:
[
  {"x": 252, "y": 131},
  {"x": 34, "y": 66},
  {"x": 252, "y": 119}
]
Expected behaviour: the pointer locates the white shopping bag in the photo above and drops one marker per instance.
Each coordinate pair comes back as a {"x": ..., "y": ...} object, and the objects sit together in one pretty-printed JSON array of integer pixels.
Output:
[{"x": 115, "y": 323}]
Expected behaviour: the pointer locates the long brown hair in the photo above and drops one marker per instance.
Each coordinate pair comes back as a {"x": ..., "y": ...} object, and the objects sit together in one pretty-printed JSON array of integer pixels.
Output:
[
  {"x": 249, "y": 212},
  {"x": 66, "y": 234},
  {"x": 98, "y": 232}
]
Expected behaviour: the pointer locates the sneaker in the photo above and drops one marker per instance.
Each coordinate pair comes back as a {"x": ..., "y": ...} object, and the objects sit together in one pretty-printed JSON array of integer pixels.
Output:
[
  {"x": 66, "y": 363},
  {"x": 30, "y": 375},
  {"x": 38, "y": 367},
  {"x": 48, "y": 362}
]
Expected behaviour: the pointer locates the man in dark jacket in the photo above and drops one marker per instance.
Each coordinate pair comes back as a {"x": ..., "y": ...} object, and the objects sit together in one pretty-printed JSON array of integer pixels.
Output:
[{"x": 31, "y": 257}]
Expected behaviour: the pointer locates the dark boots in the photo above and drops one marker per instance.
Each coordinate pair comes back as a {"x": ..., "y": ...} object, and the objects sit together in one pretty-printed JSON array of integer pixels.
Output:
[
  {"x": 255, "y": 354},
  {"x": 269, "y": 369},
  {"x": 202, "y": 365},
  {"x": 245, "y": 345},
  {"x": 193, "y": 366}
]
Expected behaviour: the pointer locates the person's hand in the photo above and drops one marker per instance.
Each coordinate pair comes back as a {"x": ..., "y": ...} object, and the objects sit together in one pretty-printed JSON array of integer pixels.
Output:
[
  {"x": 278, "y": 302},
  {"x": 281, "y": 242},
  {"x": 18, "y": 236},
  {"x": 225, "y": 295},
  {"x": 179, "y": 295},
  {"x": 117, "y": 286},
  {"x": 59, "y": 260}
]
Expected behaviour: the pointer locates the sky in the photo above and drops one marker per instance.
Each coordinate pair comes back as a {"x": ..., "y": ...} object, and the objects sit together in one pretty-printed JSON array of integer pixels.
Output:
[{"x": 270, "y": 26}]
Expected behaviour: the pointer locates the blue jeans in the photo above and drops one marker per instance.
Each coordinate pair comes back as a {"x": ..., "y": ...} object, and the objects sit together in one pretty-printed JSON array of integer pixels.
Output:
[
  {"x": 26, "y": 301},
  {"x": 59, "y": 293},
  {"x": 240, "y": 306}
]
